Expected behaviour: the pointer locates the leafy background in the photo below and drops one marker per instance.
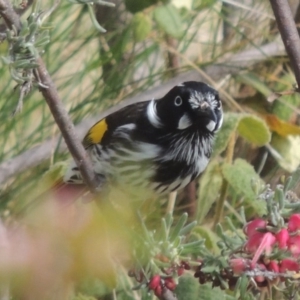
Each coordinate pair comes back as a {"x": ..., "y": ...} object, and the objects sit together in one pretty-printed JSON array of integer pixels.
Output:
[{"x": 149, "y": 42}]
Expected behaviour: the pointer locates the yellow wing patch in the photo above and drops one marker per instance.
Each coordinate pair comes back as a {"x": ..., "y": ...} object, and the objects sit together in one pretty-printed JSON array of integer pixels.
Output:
[{"x": 96, "y": 133}]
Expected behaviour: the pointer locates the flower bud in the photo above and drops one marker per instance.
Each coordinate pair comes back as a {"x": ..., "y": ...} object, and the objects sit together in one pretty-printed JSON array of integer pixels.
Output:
[
  {"x": 238, "y": 265},
  {"x": 254, "y": 241},
  {"x": 294, "y": 245},
  {"x": 288, "y": 265},
  {"x": 185, "y": 265},
  {"x": 170, "y": 283},
  {"x": 273, "y": 266},
  {"x": 180, "y": 271},
  {"x": 294, "y": 222},
  {"x": 282, "y": 238},
  {"x": 252, "y": 226},
  {"x": 154, "y": 282},
  {"x": 158, "y": 291}
]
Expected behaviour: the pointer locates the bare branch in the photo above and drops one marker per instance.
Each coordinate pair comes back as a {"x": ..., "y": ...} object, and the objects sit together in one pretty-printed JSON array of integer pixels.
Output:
[
  {"x": 9, "y": 15},
  {"x": 66, "y": 127},
  {"x": 289, "y": 33}
]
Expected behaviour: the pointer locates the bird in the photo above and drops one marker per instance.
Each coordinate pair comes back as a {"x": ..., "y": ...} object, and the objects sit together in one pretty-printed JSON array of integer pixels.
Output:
[{"x": 160, "y": 145}]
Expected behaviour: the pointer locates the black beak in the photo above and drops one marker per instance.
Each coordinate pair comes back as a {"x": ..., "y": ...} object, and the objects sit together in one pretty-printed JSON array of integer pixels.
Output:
[{"x": 206, "y": 112}]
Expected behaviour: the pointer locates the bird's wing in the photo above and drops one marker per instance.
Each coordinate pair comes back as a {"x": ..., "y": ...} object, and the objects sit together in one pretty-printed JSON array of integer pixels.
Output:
[{"x": 102, "y": 131}]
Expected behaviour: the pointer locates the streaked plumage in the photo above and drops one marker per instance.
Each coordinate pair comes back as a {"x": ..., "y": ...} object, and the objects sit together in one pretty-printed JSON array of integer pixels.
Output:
[{"x": 159, "y": 144}]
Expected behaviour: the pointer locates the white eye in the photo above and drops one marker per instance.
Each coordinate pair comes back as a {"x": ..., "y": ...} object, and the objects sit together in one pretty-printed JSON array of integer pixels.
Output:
[{"x": 178, "y": 101}]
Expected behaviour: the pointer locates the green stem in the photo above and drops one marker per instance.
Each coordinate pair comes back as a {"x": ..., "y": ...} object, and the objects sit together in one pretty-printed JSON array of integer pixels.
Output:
[{"x": 224, "y": 187}]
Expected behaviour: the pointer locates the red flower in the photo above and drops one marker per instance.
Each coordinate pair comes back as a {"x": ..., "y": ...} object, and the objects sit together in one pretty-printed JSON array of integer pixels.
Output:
[
  {"x": 251, "y": 227},
  {"x": 238, "y": 265},
  {"x": 158, "y": 291},
  {"x": 273, "y": 266},
  {"x": 288, "y": 265},
  {"x": 154, "y": 282},
  {"x": 282, "y": 238},
  {"x": 294, "y": 245},
  {"x": 254, "y": 241},
  {"x": 294, "y": 222},
  {"x": 170, "y": 283},
  {"x": 266, "y": 244}
]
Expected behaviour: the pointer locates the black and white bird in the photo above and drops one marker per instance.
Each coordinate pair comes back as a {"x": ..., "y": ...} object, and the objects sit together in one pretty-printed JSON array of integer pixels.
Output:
[{"x": 160, "y": 144}]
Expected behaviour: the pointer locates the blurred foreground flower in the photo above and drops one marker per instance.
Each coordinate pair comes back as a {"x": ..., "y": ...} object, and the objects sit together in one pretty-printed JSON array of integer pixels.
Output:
[{"x": 58, "y": 245}]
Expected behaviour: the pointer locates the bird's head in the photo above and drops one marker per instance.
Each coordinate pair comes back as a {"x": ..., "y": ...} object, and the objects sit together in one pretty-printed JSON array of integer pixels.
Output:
[{"x": 190, "y": 104}]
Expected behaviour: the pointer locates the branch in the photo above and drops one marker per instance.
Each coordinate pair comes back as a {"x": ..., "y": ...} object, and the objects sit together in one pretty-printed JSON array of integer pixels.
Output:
[
  {"x": 289, "y": 34},
  {"x": 57, "y": 109},
  {"x": 19, "y": 12},
  {"x": 66, "y": 127},
  {"x": 244, "y": 59},
  {"x": 9, "y": 15}
]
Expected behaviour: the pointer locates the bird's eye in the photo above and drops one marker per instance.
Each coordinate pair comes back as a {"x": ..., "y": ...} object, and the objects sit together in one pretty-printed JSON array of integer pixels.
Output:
[{"x": 178, "y": 101}]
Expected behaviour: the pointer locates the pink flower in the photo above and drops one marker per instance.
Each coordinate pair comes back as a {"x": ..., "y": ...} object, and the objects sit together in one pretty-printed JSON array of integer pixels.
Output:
[
  {"x": 273, "y": 266},
  {"x": 294, "y": 222},
  {"x": 252, "y": 226},
  {"x": 294, "y": 245},
  {"x": 238, "y": 265},
  {"x": 288, "y": 265},
  {"x": 254, "y": 241},
  {"x": 266, "y": 244},
  {"x": 282, "y": 238}
]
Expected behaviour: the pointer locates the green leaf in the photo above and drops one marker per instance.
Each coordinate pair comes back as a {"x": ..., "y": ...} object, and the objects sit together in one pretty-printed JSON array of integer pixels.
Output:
[
  {"x": 230, "y": 124},
  {"x": 283, "y": 108},
  {"x": 240, "y": 176},
  {"x": 211, "y": 181},
  {"x": 141, "y": 26},
  {"x": 206, "y": 292},
  {"x": 169, "y": 19},
  {"x": 211, "y": 239},
  {"x": 187, "y": 288},
  {"x": 202, "y": 4},
  {"x": 179, "y": 225},
  {"x": 254, "y": 130}
]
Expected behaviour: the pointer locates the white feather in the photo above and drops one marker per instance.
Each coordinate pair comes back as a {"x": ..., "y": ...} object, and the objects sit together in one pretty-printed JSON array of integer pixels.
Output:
[
  {"x": 184, "y": 122},
  {"x": 211, "y": 125},
  {"x": 152, "y": 115}
]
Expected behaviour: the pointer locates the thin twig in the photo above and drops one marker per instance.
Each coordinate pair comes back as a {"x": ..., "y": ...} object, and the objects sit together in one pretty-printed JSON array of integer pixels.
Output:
[
  {"x": 289, "y": 33},
  {"x": 51, "y": 96}
]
